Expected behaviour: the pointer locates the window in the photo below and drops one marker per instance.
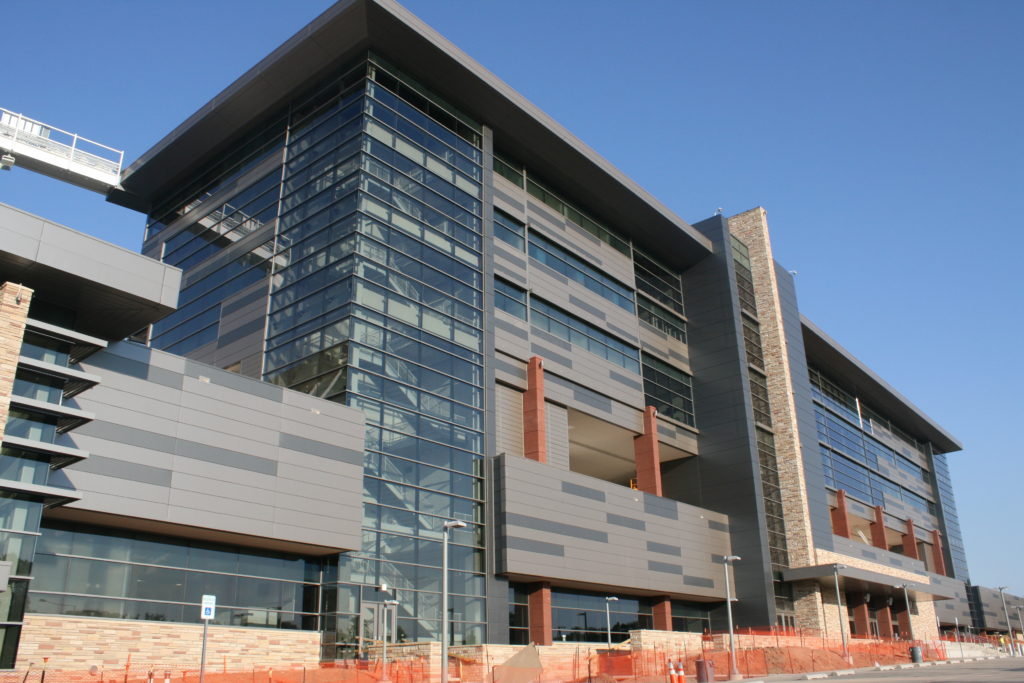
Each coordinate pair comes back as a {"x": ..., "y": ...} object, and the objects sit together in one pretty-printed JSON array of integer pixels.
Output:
[
  {"x": 562, "y": 261},
  {"x": 575, "y": 331},
  {"x": 669, "y": 390},
  {"x": 509, "y": 230},
  {"x": 658, "y": 318},
  {"x": 659, "y": 282},
  {"x": 509, "y": 298}
]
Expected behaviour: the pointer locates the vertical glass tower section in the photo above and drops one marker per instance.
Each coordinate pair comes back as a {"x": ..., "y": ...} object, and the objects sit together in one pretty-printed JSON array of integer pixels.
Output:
[{"x": 375, "y": 301}]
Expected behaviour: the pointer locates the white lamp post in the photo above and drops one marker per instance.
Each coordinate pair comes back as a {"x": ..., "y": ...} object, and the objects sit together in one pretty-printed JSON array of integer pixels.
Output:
[
  {"x": 1009, "y": 626},
  {"x": 734, "y": 673},
  {"x": 1019, "y": 620},
  {"x": 839, "y": 606},
  {"x": 608, "y": 617},
  {"x": 446, "y": 528}
]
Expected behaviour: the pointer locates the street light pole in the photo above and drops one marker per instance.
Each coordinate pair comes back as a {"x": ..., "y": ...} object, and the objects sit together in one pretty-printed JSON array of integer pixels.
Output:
[
  {"x": 734, "y": 674},
  {"x": 446, "y": 529},
  {"x": 839, "y": 607},
  {"x": 1019, "y": 620},
  {"x": 1009, "y": 626},
  {"x": 608, "y": 617}
]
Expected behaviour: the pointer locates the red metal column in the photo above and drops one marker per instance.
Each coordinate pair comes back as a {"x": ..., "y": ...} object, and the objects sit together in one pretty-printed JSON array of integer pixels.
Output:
[
  {"x": 535, "y": 429},
  {"x": 841, "y": 516},
  {"x": 937, "y": 557},
  {"x": 539, "y": 602},
  {"x": 663, "y": 614},
  {"x": 910, "y": 541},
  {"x": 878, "y": 529},
  {"x": 884, "y": 616},
  {"x": 903, "y": 618},
  {"x": 861, "y": 615},
  {"x": 648, "y": 459}
]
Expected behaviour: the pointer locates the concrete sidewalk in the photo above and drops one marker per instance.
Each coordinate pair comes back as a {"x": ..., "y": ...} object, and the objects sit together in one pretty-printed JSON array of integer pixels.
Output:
[{"x": 858, "y": 674}]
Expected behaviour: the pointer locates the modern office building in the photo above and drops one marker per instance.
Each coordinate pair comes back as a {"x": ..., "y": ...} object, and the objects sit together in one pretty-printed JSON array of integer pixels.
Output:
[{"x": 493, "y": 326}]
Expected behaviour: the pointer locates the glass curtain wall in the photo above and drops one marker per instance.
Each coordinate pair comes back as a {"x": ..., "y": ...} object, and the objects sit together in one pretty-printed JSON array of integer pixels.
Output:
[{"x": 376, "y": 302}]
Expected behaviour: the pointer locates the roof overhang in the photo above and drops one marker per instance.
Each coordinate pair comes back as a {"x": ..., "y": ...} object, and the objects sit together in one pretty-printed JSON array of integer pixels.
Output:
[
  {"x": 349, "y": 28},
  {"x": 852, "y": 579},
  {"x": 115, "y": 292},
  {"x": 835, "y": 361}
]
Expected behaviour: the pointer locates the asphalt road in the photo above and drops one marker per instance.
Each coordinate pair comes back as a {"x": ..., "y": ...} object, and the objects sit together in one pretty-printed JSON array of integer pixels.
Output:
[{"x": 1004, "y": 670}]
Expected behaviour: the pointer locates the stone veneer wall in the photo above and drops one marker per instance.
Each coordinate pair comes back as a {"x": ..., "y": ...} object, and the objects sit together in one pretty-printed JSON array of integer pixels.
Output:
[
  {"x": 751, "y": 227},
  {"x": 12, "y": 331},
  {"x": 77, "y": 643}
]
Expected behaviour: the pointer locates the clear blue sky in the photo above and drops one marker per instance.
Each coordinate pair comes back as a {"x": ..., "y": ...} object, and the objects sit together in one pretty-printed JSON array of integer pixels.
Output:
[{"x": 884, "y": 138}]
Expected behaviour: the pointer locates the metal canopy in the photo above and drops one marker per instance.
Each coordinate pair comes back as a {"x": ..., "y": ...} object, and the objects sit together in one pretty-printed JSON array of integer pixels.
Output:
[{"x": 852, "y": 579}]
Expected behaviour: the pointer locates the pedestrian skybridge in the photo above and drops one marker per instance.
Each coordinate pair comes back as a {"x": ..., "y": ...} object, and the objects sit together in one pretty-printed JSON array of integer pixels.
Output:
[{"x": 57, "y": 153}]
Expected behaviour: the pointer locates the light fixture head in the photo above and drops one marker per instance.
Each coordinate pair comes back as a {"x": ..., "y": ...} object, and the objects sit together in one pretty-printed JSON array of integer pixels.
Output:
[
  {"x": 731, "y": 558},
  {"x": 391, "y": 602},
  {"x": 611, "y": 598},
  {"x": 6, "y": 161},
  {"x": 454, "y": 524}
]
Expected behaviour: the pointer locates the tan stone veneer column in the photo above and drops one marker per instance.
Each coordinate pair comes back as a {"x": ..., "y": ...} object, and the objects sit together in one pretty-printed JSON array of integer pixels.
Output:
[
  {"x": 14, "y": 301},
  {"x": 751, "y": 227}
]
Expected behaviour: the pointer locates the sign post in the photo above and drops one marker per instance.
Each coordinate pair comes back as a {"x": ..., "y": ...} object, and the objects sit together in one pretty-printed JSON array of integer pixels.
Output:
[{"x": 206, "y": 612}]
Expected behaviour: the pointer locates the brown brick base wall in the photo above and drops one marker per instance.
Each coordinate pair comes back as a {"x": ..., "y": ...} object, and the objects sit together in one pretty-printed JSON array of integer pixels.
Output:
[{"x": 77, "y": 643}]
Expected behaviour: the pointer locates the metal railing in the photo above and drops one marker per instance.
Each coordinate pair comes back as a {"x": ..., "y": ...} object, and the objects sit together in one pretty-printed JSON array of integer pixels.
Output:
[{"x": 19, "y": 129}]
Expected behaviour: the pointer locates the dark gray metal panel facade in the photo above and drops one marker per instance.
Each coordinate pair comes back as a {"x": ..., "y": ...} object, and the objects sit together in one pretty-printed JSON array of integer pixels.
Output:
[
  {"x": 817, "y": 496},
  {"x": 179, "y": 442},
  {"x": 726, "y": 476},
  {"x": 576, "y": 530},
  {"x": 988, "y": 608},
  {"x": 957, "y": 609}
]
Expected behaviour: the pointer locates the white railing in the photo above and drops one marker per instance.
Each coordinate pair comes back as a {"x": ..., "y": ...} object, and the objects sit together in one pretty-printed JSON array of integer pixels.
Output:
[{"x": 21, "y": 130}]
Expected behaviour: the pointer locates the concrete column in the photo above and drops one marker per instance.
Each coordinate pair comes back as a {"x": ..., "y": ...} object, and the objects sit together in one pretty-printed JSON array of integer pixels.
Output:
[
  {"x": 884, "y": 616},
  {"x": 841, "y": 516},
  {"x": 910, "y": 541},
  {"x": 937, "y": 557},
  {"x": 14, "y": 301},
  {"x": 878, "y": 529},
  {"x": 648, "y": 458},
  {"x": 663, "y": 614},
  {"x": 535, "y": 432},
  {"x": 861, "y": 615},
  {"x": 539, "y": 602}
]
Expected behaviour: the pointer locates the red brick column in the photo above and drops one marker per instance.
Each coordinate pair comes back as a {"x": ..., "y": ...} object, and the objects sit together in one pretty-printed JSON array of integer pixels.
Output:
[
  {"x": 884, "y": 616},
  {"x": 910, "y": 541},
  {"x": 937, "y": 557},
  {"x": 663, "y": 614},
  {"x": 861, "y": 616},
  {"x": 539, "y": 602},
  {"x": 841, "y": 516},
  {"x": 878, "y": 529},
  {"x": 535, "y": 429},
  {"x": 648, "y": 459},
  {"x": 14, "y": 300}
]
